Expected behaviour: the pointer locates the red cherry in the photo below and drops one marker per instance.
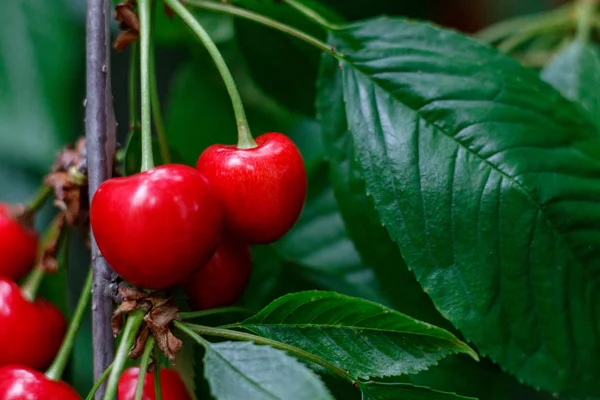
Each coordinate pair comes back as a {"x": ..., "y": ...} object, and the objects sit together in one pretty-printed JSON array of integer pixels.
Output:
[
  {"x": 18, "y": 246},
  {"x": 30, "y": 332},
  {"x": 157, "y": 227},
  {"x": 223, "y": 280},
  {"x": 22, "y": 383},
  {"x": 262, "y": 190},
  {"x": 171, "y": 385}
]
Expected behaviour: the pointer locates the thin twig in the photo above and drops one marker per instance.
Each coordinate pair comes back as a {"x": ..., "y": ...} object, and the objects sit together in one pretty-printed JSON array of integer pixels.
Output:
[{"x": 100, "y": 134}]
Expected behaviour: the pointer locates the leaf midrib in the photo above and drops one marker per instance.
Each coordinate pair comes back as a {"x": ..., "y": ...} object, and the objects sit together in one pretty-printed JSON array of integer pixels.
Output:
[
  {"x": 348, "y": 327},
  {"x": 520, "y": 186}
]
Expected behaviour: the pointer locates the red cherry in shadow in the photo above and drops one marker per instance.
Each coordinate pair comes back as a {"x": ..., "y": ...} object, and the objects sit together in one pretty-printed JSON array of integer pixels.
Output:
[
  {"x": 18, "y": 245},
  {"x": 223, "y": 279},
  {"x": 171, "y": 385},
  {"x": 30, "y": 332},
  {"x": 262, "y": 189},
  {"x": 157, "y": 227}
]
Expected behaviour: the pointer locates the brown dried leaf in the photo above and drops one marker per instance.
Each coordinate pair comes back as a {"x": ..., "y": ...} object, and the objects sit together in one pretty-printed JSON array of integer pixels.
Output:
[
  {"x": 160, "y": 311},
  {"x": 127, "y": 17},
  {"x": 47, "y": 260},
  {"x": 168, "y": 343},
  {"x": 163, "y": 312},
  {"x": 117, "y": 318},
  {"x": 125, "y": 39},
  {"x": 132, "y": 293},
  {"x": 69, "y": 182},
  {"x": 140, "y": 342},
  {"x": 21, "y": 214},
  {"x": 59, "y": 181},
  {"x": 131, "y": 297},
  {"x": 168, "y": 11}
]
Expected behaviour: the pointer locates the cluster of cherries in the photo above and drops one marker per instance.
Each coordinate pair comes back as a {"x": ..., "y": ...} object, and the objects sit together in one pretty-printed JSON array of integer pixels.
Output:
[
  {"x": 177, "y": 225},
  {"x": 170, "y": 225},
  {"x": 31, "y": 332}
]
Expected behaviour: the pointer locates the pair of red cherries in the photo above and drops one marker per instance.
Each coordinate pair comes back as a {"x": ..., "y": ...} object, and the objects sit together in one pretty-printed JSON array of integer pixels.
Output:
[{"x": 160, "y": 227}]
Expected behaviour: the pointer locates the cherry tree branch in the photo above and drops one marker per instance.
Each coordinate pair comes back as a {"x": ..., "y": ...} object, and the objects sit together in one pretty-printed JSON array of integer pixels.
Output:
[{"x": 100, "y": 139}]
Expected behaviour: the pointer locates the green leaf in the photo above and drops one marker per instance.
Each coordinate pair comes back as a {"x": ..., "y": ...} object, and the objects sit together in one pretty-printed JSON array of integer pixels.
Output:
[
  {"x": 273, "y": 57},
  {"x": 575, "y": 72},
  {"x": 318, "y": 239},
  {"x": 306, "y": 135},
  {"x": 488, "y": 180},
  {"x": 362, "y": 222},
  {"x": 320, "y": 247},
  {"x": 199, "y": 111},
  {"x": 185, "y": 363},
  {"x": 484, "y": 380},
  {"x": 243, "y": 370},
  {"x": 267, "y": 277},
  {"x": 316, "y": 253},
  {"x": 406, "y": 392},
  {"x": 362, "y": 337}
]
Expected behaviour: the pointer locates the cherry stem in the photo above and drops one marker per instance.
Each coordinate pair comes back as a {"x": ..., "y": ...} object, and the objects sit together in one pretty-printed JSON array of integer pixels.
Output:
[
  {"x": 99, "y": 382},
  {"x": 134, "y": 320},
  {"x": 60, "y": 362},
  {"x": 157, "y": 383},
  {"x": 586, "y": 10},
  {"x": 133, "y": 64},
  {"x": 40, "y": 198},
  {"x": 245, "y": 139},
  {"x": 311, "y": 14},
  {"x": 213, "y": 311},
  {"x": 139, "y": 390},
  {"x": 261, "y": 19},
  {"x": 32, "y": 282},
  {"x": 194, "y": 331},
  {"x": 144, "y": 10},
  {"x": 159, "y": 123}
]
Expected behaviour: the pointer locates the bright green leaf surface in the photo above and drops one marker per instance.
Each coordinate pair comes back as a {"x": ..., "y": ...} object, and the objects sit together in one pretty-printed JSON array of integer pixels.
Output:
[
  {"x": 362, "y": 337},
  {"x": 243, "y": 370},
  {"x": 489, "y": 181}
]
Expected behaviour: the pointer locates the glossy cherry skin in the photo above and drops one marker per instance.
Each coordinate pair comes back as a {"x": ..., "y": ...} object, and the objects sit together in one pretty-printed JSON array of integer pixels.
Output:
[
  {"x": 18, "y": 246},
  {"x": 171, "y": 385},
  {"x": 262, "y": 189},
  {"x": 157, "y": 227},
  {"x": 222, "y": 281},
  {"x": 22, "y": 383},
  {"x": 30, "y": 333}
]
